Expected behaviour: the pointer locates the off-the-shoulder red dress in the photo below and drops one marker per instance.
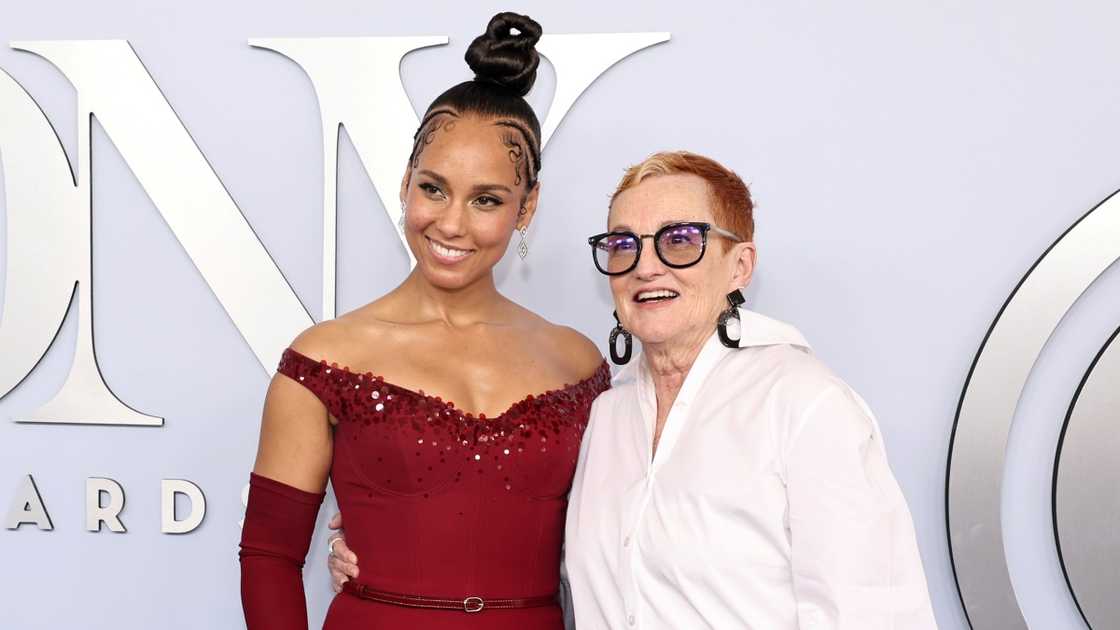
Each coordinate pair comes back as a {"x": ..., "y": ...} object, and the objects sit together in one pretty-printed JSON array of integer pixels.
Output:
[{"x": 440, "y": 504}]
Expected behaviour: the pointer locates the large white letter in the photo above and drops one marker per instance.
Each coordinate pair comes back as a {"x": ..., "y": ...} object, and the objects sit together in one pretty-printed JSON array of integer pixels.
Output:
[
  {"x": 579, "y": 59},
  {"x": 47, "y": 223},
  {"x": 108, "y": 514},
  {"x": 113, "y": 85},
  {"x": 27, "y": 507},
  {"x": 168, "y": 489}
]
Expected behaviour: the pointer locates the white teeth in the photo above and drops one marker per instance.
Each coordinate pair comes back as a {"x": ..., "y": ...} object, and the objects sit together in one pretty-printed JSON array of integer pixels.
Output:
[
  {"x": 447, "y": 252},
  {"x": 656, "y": 295}
]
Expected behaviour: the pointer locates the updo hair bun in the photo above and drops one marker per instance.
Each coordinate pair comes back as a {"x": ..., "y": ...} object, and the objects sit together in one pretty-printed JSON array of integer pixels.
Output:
[{"x": 506, "y": 53}]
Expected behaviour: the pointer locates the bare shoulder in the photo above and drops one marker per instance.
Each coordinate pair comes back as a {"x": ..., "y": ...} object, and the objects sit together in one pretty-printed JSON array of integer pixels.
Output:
[
  {"x": 571, "y": 350},
  {"x": 584, "y": 353},
  {"x": 348, "y": 340},
  {"x": 323, "y": 340}
]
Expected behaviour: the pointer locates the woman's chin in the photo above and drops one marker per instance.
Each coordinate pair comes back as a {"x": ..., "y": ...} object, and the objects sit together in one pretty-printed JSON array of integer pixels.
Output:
[
  {"x": 448, "y": 282},
  {"x": 653, "y": 336},
  {"x": 666, "y": 335},
  {"x": 448, "y": 279}
]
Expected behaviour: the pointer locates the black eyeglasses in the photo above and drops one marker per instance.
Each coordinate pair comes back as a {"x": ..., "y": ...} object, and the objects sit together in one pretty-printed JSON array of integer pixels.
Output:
[{"x": 678, "y": 245}]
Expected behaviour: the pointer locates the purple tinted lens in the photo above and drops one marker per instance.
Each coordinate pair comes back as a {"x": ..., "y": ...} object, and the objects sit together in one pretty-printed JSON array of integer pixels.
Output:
[
  {"x": 681, "y": 245},
  {"x": 616, "y": 252}
]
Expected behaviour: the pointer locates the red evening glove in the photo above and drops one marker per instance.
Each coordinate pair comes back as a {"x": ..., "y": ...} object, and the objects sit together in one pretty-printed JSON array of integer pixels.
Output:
[{"x": 279, "y": 523}]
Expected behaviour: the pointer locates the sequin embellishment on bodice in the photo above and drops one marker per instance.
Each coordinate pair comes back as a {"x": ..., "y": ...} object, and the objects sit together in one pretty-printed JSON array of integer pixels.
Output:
[{"x": 441, "y": 502}]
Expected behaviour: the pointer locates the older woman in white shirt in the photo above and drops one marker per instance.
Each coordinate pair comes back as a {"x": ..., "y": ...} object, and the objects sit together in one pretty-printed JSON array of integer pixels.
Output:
[{"x": 729, "y": 479}]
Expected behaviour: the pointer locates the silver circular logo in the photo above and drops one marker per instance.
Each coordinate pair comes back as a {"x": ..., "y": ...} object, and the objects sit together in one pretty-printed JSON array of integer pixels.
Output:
[{"x": 1084, "y": 496}]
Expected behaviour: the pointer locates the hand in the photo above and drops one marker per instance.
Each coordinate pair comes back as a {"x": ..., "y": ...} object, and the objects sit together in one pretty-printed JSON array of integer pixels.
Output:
[{"x": 342, "y": 562}]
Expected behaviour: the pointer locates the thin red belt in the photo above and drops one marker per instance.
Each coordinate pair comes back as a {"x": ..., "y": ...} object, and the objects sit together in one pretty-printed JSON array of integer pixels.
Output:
[{"x": 470, "y": 604}]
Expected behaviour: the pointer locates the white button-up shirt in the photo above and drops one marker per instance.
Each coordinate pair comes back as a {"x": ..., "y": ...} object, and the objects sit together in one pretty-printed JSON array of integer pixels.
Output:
[{"x": 769, "y": 504}]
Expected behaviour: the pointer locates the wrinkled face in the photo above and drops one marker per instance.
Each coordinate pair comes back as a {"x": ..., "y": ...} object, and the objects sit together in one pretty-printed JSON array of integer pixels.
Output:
[
  {"x": 464, "y": 195},
  {"x": 660, "y": 304}
]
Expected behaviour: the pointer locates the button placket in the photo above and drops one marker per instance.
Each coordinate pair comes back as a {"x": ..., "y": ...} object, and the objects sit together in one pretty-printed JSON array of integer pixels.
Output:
[
  {"x": 629, "y": 570},
  {"x": 630, "y": 565}
]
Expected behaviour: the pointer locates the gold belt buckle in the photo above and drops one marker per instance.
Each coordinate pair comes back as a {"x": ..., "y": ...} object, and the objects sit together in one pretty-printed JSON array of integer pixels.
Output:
[{"x": 473, "y": 604}]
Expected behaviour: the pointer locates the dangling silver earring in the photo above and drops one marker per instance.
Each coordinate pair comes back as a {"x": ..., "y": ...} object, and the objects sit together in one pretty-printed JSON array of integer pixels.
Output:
[
  {"x": 523, "y": 247},
  {"x": 400, "y": 223}
]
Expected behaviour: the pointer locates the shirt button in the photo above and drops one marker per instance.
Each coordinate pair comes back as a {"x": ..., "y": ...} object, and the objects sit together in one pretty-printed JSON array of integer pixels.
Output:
[
  {"x": 631, "y": 619},
  {"x": 626, "y": 542}
]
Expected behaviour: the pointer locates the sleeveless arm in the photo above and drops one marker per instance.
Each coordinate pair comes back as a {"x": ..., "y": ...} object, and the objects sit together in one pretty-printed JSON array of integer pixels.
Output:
[{"x": 285, "y": 491}]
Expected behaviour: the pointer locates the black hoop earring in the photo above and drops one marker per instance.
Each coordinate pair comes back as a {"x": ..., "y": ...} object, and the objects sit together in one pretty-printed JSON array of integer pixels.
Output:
[
  {"x": 629, "y": 339},
  {"x": 735, "y": 299}
]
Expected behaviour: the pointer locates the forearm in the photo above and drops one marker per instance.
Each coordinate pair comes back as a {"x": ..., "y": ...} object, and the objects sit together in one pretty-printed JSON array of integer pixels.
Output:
[
  {"x": 279, "y": 522},
  {"x": 272, "y": 594}
]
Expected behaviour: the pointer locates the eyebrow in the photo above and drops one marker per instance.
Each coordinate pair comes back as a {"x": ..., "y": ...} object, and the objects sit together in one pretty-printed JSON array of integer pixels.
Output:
[
  {"x": 442, "y": 181},
  {"x": 489, "y": 187},
  {"x": 434, "y": 175}
]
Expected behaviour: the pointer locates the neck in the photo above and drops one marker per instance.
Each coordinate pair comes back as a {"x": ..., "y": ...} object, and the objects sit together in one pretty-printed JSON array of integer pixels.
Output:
[
  {"x": 475, "y": 303},
  {"x": 669, "y": 363}
]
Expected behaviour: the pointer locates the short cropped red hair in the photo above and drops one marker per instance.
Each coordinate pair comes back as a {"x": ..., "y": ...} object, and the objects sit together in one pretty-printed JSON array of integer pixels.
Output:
[{"x": 731, "y": 199}]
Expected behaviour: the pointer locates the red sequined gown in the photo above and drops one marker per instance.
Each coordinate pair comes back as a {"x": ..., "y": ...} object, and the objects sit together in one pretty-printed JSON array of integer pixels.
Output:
[{"x": 440, "y": 504}]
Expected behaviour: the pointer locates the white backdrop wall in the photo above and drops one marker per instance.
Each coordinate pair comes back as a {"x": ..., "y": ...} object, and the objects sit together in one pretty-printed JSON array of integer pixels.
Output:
[{"x": 910, "y": 161}]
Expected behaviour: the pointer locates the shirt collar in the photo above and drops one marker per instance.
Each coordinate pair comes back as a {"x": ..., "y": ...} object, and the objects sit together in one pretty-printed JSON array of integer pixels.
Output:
[
  {"x": 760, "y": 330},
  {"x": 755, "y": 329}
]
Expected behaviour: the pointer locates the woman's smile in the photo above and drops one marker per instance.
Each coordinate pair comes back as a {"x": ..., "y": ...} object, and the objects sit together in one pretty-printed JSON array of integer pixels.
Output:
[
  {"x": 655, "y": 297},
  {"x": 445, "y": 253}
]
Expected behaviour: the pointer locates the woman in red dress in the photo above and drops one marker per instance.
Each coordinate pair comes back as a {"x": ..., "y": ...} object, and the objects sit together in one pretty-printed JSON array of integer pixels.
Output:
[{"x": 452, "y": 477}]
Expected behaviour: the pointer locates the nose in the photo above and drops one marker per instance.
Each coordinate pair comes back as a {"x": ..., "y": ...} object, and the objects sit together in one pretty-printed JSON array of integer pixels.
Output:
[
  {"x": 452, "y": 221},
  {"x": 649, "y": 265}
]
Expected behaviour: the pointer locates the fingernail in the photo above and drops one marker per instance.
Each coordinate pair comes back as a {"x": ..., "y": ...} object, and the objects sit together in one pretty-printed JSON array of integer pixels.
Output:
[{"x": 353, "y": 559}]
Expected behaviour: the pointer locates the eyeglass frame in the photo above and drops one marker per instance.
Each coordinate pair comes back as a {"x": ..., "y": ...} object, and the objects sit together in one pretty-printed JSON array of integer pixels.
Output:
[{"x": 704, "y": 227}]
